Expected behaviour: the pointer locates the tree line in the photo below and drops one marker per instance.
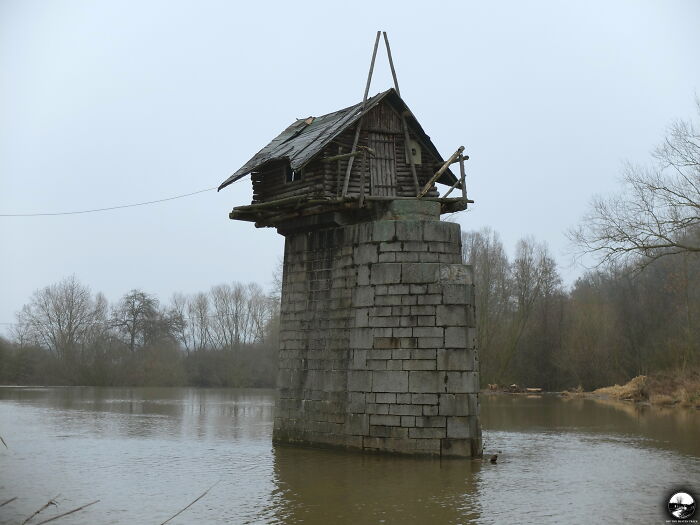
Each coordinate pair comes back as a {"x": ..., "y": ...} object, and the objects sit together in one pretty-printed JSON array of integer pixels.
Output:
[
  {"x": 66, "y": 334},
  {"x": 636, "y": 312},
  {"x": 614, "y": 323}
]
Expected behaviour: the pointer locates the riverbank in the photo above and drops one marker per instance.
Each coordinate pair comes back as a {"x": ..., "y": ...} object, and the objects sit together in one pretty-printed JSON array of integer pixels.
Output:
[
  {"x": 680, "y": 389},
  {"x": 145, "y": 452}
]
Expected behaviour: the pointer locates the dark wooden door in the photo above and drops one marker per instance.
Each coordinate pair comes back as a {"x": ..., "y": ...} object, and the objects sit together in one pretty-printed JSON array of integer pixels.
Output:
[{"x": 382, "y": 165}]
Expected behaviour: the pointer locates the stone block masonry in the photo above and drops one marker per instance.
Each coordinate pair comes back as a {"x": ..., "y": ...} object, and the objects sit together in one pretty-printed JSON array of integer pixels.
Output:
[{"x": 377, "y": 338}]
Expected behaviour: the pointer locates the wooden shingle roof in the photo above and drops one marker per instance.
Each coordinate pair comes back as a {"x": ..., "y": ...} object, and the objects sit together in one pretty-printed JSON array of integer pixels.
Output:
[{"x": 306, "y": 138}]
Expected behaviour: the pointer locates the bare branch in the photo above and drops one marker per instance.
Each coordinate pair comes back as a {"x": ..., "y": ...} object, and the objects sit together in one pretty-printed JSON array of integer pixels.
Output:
[{"x": 657, "y": 211}]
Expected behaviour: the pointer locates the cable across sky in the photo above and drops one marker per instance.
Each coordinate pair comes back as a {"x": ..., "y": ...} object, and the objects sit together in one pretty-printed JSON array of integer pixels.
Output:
[{"x": 106, "y": 209}]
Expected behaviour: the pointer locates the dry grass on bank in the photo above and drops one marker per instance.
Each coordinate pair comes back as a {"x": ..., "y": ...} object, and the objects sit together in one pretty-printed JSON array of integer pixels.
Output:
[
  {"x": 665, "y": 388},
  {"x": 636, "y": 389}
]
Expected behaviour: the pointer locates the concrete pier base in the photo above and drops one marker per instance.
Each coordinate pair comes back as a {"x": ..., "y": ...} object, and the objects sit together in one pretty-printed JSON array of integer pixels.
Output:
[{"x": 377, "y": 338}]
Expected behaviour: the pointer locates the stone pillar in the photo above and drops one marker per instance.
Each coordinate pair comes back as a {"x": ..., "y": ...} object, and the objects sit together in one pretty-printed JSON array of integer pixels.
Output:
[{"x": 377, "y": 337}]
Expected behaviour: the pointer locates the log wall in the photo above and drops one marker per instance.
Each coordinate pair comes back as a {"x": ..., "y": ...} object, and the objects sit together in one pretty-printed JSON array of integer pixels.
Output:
[
  {"x": 325, "y": 179},
  {"x": 383, "y": 119}
]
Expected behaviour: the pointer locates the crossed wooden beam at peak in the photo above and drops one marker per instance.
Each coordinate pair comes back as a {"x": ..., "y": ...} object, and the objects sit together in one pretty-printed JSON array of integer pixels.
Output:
[{"x": 456, "y": 157}]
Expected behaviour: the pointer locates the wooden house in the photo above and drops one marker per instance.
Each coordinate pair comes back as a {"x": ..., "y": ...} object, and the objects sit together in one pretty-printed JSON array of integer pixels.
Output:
[{"x": 344, "y": 160}]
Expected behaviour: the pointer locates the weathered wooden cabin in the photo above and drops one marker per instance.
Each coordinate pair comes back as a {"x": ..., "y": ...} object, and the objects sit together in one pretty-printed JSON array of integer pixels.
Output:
[{"x": 312, "y": 168}]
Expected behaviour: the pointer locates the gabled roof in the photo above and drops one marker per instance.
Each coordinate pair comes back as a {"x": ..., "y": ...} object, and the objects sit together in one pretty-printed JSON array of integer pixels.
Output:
[{"x": 306, "y": 138}]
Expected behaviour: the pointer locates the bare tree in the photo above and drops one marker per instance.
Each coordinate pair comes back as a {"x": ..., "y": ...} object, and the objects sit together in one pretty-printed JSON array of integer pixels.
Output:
[
  {"x": 61, "y": 317},
  {"x": 199, "y": 317},
  {"x": 20, "y": 332},
  {"x": 534, "y": 276},
  {"x": 98, "y": 330},
  {"x": 591, "y": 323},
  {"x": 139, "y": 342},
  {"x": 261, "y": 308},
  {"x": 229, "y": 318},
  {"x": 277, "y": 280},
  {"x": 133, "y": 315},
  {"x": 178, "y": 314},
  {"x": 657, "y": 213},
  {"x": 485, "y": 252}
]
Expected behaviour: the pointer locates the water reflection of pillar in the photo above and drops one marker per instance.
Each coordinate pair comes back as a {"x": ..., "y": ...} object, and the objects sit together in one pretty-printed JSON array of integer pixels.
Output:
[{"x": 330, "y": 486}]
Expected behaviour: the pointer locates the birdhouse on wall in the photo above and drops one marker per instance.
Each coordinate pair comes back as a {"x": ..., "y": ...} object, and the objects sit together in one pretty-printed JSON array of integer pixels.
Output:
[{"x": 413, "y": 153}]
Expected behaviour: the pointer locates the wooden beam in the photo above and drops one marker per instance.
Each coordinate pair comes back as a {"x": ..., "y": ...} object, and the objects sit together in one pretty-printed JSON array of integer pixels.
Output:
[
  {"x": 439, "y": 172},
  {"x": 463, "y": 177},
  {"x": 337, "y": 181},
  {"x": 362, "y": 181},
  {"x": 364, "y": 149},
  {"x": 391, "y": 64},
  {"x": 362, "y": 116},
  {"x": 287, "y": 202},
  {"x": 407, "y": 148},
  {"x": 313, "y": 206},
  {"x": 341, "y": 157},
  {"x": 270, "y": 204},
  {"x": 404, "y": 124},
  {"x": 274, "y": 219},
  {"x": 453, "y": 207},
  {"x": 438, "y": 165},
  {"x": 451, "y": 188},
  {"x": 391, "y": 198}
]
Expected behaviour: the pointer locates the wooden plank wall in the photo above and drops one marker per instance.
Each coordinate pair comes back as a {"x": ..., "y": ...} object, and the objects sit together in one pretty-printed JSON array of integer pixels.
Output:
[
  {"x": 269, "y": 183},
  {"x": 325, "y": 179},
  {"x": 382, "y": 165},
  {"x": 385, "y": 120}
]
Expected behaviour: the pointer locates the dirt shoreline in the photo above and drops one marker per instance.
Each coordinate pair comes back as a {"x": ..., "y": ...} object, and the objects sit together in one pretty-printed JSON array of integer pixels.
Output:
[{"x": 665, "y": 389}]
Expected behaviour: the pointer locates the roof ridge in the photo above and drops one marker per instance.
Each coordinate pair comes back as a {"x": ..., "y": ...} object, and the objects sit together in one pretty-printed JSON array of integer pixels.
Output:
[{"x": 302, "y": 141}]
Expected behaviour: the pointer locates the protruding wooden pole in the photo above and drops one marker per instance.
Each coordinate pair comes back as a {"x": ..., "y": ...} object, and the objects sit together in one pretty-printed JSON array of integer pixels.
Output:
[
  {"x": 341, "y": 157},
  {"x": 337, "y": 182},
  {"x": 362, "y": 180},
  {"x": 409, "y": 152},
  {"x": 439, "y": 172},
  {"x": 450, "y": 190},
  {"x": 463, "y": 175},
  {"x": 404, "y": 124},
  {"x": 371, "y": 69},
  {"x": 362, "y": 115},
  {"x": 391, "y": 63}
]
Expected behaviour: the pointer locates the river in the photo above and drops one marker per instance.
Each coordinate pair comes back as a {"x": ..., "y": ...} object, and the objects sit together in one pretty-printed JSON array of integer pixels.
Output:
[{"x": 145, "y": 453}]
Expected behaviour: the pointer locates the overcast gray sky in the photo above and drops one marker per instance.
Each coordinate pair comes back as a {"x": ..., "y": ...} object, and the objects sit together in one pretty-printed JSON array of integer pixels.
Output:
[{"x": 111, "y": 102}]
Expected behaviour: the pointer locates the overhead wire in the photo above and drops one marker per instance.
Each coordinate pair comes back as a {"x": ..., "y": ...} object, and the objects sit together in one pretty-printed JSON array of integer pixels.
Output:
[
  {"x": 95, "y": 210},
  {"x": 104, "y": 209}
]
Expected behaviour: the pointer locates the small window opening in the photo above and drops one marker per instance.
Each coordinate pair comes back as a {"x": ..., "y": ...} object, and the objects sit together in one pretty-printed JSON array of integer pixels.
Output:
[{"x": 292, "y": 175}]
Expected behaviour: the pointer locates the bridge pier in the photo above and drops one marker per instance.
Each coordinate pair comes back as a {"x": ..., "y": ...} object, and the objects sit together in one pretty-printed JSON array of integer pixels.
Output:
[{"x": 377, "y": 335}]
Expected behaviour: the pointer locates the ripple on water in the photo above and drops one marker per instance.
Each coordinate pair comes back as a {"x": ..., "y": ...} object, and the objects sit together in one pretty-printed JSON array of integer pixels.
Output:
[{"x": 558, "y": 463}]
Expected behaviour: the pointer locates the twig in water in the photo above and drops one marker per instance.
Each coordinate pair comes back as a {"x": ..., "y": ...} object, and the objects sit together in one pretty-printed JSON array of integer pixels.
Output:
[
  {"x": 52, "y": 501},
  {"x": 188, "y": 506},
  {"x": 8, "y": 501},
  {"x": 3, "y": 442},
  {"x": 66, "y": 513}
]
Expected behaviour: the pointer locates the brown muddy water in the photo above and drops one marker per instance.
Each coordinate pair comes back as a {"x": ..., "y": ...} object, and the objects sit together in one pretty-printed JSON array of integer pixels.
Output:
[{"x": 147, "y": 452}]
